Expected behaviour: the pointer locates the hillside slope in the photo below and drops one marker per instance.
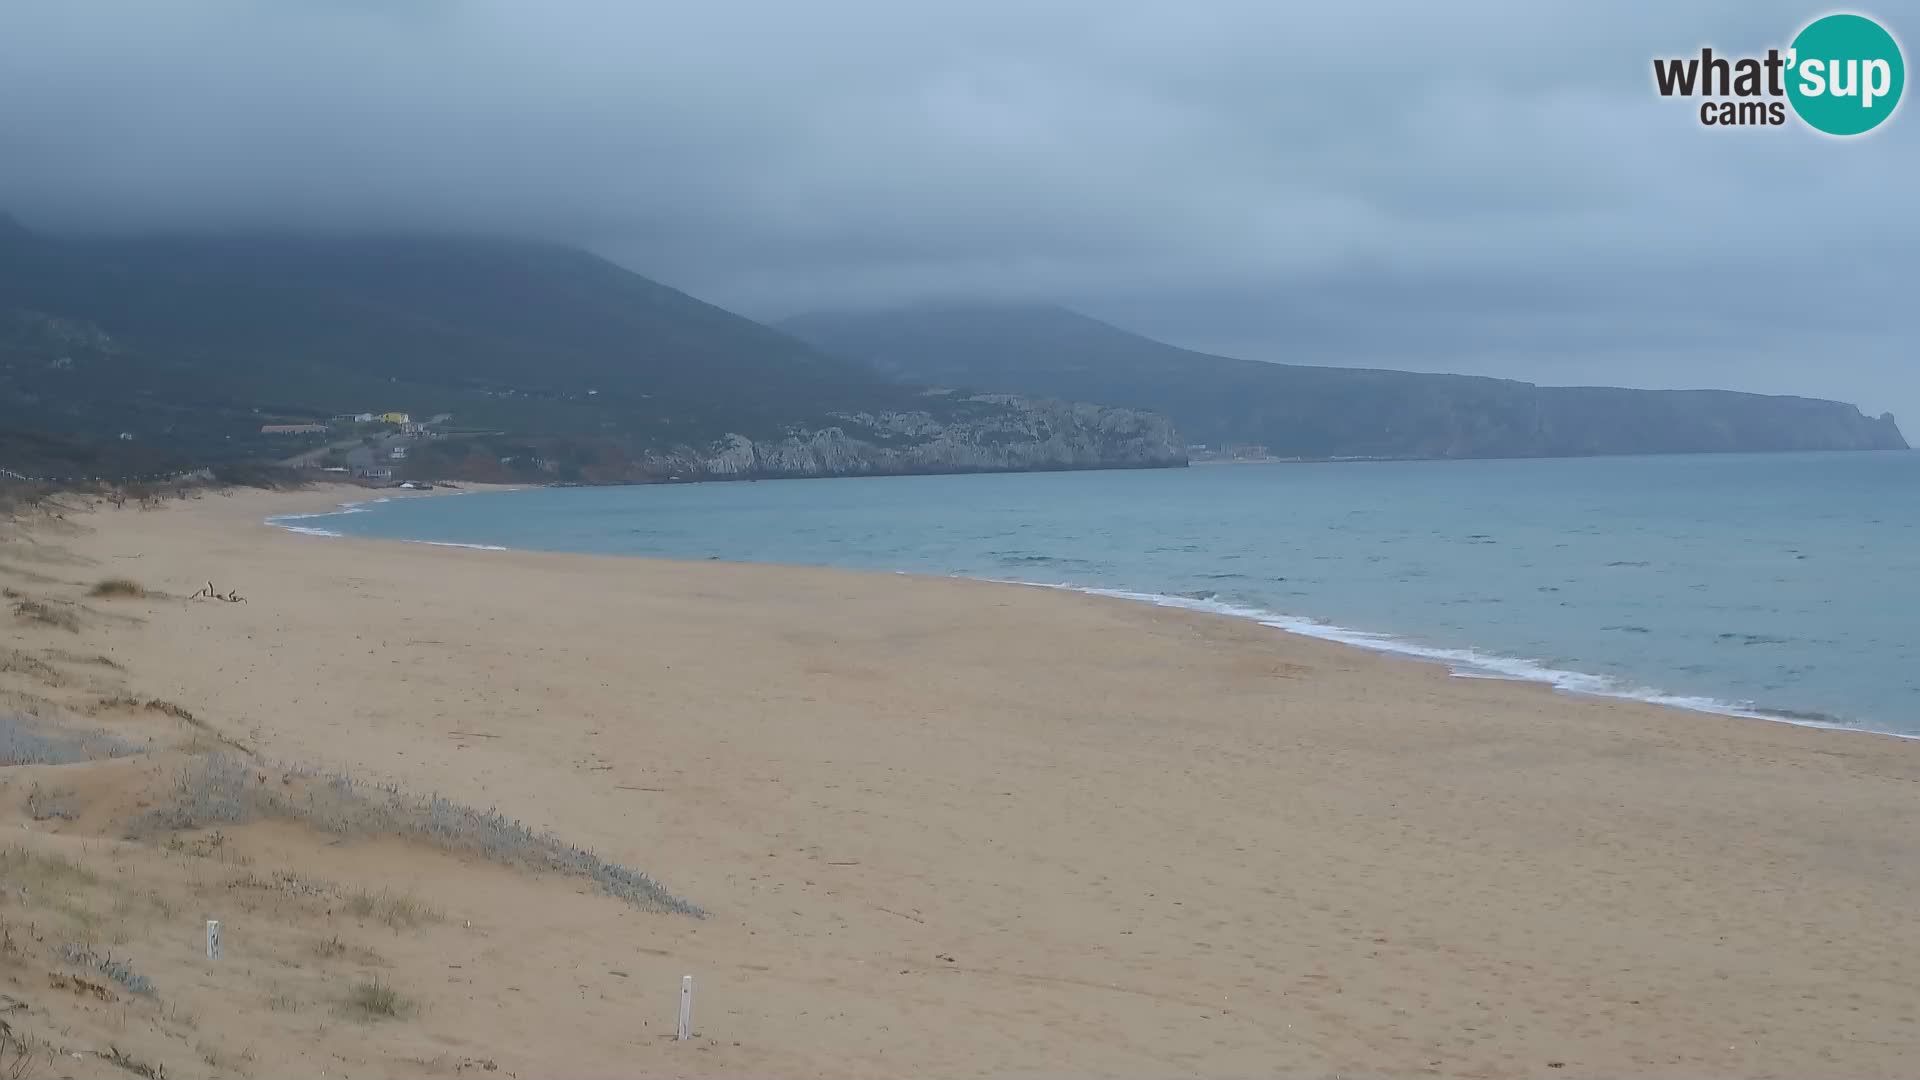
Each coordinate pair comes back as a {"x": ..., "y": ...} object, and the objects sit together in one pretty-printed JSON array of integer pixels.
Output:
[
  {"x": 188, "y": 344},
  {"x": 1324, "y": 412}
]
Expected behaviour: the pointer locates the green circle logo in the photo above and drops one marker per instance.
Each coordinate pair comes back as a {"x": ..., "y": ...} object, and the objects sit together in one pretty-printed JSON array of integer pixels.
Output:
[{"x": 1845, "y": 74}]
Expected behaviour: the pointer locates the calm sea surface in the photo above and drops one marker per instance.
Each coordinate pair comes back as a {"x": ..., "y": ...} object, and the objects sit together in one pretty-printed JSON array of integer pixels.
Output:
[{"x": 1785, "y": 585}]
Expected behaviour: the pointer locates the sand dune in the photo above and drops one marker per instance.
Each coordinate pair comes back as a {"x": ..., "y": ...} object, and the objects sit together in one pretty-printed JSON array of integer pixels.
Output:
[{"x": 939, "y": 827}]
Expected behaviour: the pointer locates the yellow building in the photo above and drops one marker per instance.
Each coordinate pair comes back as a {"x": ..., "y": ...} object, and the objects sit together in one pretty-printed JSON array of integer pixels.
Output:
[{"x": 394, "y": 418}]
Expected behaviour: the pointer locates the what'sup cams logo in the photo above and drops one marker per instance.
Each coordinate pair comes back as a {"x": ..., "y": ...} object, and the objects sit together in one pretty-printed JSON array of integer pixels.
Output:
[{"x": 1842, "y": 75}]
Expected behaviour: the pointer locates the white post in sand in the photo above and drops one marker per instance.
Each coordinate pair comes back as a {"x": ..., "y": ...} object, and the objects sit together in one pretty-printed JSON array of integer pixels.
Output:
[
  {"x": 213, "y": 939},
  {"x": 686, "y": 1008}
]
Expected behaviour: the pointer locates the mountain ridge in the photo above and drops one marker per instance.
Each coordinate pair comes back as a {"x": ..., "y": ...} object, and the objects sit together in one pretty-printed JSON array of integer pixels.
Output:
[
  {"x": 1322, "y": 412},
  {"x": 178, "y": 348}
]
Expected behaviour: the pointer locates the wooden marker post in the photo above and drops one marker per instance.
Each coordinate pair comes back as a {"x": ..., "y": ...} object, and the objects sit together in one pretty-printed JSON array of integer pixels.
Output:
[
  {"x": 686, "y": 1009},
  {"x": 213, "y": 939}
]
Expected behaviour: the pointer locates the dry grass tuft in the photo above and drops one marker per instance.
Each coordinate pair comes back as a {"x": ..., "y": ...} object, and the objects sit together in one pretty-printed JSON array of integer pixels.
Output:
[
  {"x": 374, "y": 1001},
  {"x": 42, "y": 872},
  {"x": 118, "y": 589},
  {"x": 134, "y": 1065},
  {"x": 333, "y": 948},
  {"x": 22, "y": 496},
  {"x": 22, "y": 1056},
  {"x": 39, "y": 611},
  {"x": 95, "y": 660},
  {"x": 120, "y": 971},
  {"x": 31, "y": 666},
  {"x": 164, "y": 708},
  {"x": 57, "y": 886},
  {"x": 396, "y": 911}
]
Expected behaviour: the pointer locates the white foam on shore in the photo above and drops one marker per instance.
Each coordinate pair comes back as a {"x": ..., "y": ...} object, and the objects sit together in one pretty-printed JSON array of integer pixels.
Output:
[
  {"x": 283, "y": 521},
  {"x": 280, "y": 521},
  {"x": 450, "y": 543},
  {"x": 1467, "y": 663}
]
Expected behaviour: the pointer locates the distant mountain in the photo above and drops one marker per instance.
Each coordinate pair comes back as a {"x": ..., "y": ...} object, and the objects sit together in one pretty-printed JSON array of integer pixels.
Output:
[
  {"x": 1323, "y": 412},
  {"x": 149, "y": 352}
]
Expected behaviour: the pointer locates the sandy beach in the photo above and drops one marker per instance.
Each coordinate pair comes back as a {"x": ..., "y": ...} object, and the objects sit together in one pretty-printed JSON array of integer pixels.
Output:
[{"x": 938, "y": 827}]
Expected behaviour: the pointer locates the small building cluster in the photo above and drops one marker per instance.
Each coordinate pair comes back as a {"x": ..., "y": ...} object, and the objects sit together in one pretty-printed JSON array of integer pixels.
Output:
[
  {"x": 403, "y": 421},
  {"x": 373, "y": 418},
  {"x": 385, "y": 439}
]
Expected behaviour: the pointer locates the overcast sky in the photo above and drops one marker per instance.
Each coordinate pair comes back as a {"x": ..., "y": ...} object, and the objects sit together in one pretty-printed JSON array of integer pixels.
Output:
[{"x": 1478, "y": 186}]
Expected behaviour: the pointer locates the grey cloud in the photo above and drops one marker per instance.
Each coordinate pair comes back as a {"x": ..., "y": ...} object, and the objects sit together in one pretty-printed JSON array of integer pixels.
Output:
[{"x": 1483, "y": 186}]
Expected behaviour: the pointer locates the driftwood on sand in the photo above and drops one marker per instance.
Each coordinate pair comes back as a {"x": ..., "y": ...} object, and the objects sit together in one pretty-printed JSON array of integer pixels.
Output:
[{"x": 208, "y": 592}]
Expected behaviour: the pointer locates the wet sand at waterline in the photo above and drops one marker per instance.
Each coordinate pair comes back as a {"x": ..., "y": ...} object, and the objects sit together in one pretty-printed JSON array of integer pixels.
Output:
[{"x": 938, "y": 827}]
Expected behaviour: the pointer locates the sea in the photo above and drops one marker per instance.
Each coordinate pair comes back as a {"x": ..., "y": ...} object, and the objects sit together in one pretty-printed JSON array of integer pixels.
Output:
[{"x": 1776, "y": 586}]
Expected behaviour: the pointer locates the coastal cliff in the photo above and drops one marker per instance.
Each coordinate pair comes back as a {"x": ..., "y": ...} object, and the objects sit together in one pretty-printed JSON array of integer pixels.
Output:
[
  {"x": 956, "y": 433},
  {"x": 1012, "y": 435},
  {"x": 1577, "y": 420}
]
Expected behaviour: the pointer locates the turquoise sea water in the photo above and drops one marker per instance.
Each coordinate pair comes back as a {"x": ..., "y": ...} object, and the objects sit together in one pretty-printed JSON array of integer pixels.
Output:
[{"x": 1782, "y": 585}]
